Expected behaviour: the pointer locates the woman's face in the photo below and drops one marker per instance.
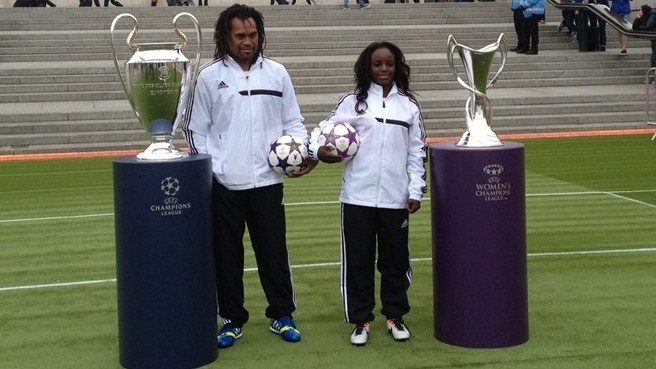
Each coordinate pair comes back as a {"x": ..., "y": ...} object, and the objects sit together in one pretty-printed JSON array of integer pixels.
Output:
[{"x": 383, "y": 67}]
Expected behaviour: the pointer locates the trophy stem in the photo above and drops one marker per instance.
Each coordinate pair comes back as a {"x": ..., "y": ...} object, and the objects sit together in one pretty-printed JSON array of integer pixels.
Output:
[
  {"x": 161, "y": 148},
  {"x": 478, "y": 114}
]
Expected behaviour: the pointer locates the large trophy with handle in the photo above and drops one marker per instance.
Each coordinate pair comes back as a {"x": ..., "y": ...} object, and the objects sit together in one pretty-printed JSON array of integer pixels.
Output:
[
  {"x": 478, "y": 110},
  {"x": 159, "y": 82}
]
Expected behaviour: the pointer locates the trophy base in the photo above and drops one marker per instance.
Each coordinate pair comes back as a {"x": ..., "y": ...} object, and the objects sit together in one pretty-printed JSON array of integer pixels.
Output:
[
  {"x": 161, "y": 151},
  {"x": 487, "y": 139}
]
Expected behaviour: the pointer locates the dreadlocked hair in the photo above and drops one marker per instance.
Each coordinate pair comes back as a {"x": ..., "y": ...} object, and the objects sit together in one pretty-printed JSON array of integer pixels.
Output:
[
  {"x": 363, "y": 79},
  {"x": 223, "y": 25}
]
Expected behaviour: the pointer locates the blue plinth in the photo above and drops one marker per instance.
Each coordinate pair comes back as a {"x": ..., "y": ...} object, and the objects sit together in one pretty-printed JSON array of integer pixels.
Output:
[
  {"x": 165, "y": 263},
  {"x": 479, "y": 245}
]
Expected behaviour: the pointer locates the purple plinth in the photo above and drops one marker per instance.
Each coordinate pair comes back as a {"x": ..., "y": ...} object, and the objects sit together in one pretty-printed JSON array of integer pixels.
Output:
[{"x": 479, "y": 245}]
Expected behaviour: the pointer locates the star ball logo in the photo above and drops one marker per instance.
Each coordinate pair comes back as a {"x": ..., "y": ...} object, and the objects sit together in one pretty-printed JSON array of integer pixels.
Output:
[
  {"x": 494, "y": 188},
  {"x": 170, "y": 188}
]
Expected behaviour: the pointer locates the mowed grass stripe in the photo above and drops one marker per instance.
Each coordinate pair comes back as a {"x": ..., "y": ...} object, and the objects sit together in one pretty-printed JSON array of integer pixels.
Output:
[
  {"x": 336, "y": 263},
  {"x": 316, "y": 203}
]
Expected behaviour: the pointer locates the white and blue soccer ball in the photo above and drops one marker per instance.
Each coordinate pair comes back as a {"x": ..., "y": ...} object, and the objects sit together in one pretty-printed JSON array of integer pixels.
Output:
[
  {"x": 288, "y": 154},
  {"x": 342, "y": 136}
]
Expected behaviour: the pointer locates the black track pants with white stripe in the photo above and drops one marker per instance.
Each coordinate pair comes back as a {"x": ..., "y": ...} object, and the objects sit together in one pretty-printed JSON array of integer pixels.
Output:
[{"x": 362, "y": 229}]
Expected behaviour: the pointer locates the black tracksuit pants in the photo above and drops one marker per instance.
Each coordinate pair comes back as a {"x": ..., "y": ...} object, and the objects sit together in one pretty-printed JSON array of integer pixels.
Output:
[
  {"x": 262, "y": 209},
  {"x": 362, "y": 228}
]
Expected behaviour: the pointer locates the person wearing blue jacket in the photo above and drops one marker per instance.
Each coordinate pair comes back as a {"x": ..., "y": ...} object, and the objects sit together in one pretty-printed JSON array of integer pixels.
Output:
[
  {"x": 518, "y": 19},
  {"x": 622, "y": 8},
  {"x": 533, "y": 11}
]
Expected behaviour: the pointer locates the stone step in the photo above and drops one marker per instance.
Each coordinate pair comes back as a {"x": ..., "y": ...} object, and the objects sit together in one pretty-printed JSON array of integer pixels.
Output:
[
  {"x": 120, "y": 94},
  {"x": 54, "y": 92},
  {"x": 315, "y": 107},
  {"x": 434, "y": 63},
  {"x": 435, "y": 42},
  {"x": 134, "y": 138},
  {"x": 432, "y": 110},
  {"x": 16, "y": 19}
]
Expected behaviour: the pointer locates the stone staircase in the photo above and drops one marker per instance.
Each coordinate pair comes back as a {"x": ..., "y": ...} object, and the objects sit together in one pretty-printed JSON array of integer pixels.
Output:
[{"x": 60, "y": 91}]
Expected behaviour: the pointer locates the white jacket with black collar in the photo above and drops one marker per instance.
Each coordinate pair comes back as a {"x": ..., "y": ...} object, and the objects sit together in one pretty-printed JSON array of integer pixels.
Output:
[
  {"x": 235, "y": 115},
  {"x": 388, "y": 168}
]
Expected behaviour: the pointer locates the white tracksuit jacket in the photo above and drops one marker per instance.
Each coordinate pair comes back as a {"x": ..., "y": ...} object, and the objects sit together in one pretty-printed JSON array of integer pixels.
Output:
[
  {"x": 236, "y": 115},
  {"x": 388, "y": 168}
]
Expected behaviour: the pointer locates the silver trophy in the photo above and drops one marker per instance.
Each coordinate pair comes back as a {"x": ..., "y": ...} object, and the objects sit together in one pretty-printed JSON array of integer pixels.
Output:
[
  {"x": 159, "y": 82},
  {"x": 478, "y": 110}
]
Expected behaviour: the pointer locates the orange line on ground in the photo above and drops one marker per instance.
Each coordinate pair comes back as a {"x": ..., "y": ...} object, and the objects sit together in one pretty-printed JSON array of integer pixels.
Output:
[
  {"x": 518, "y": 136},
  {"x": 430, "y": 140},
  {"x": 68, "y": 155}
]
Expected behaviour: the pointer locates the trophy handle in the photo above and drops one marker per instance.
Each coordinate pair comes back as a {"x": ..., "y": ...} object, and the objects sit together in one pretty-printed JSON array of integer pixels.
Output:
[
  {"x": 183, "y": 37},
  {"x": 188, "y": 96},
  {"x": 131, "y": 36},
  {"x": 452, "y": 45},
  {"x": 504, "y": 54}
]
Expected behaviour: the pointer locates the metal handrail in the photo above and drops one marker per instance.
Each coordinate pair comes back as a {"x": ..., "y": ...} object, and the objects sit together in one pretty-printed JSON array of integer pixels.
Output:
[{"x": 620, "y": 24}]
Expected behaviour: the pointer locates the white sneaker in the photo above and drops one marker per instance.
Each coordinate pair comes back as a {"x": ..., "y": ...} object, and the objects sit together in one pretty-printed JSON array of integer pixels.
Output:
[
  {"x": 360, "y": 334},
  {"x": 398, "y": 329}
]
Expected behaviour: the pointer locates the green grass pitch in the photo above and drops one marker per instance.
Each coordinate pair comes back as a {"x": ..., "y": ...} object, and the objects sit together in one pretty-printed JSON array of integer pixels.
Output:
[{"x": 591, "y": 232}]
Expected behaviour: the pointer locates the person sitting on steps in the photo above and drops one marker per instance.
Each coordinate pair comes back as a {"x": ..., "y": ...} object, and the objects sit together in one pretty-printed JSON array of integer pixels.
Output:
[{"x": 646, "y": 21}]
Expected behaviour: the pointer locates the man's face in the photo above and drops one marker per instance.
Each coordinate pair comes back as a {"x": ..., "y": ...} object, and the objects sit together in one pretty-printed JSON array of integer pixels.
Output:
[{"x": 243, "y": 41}]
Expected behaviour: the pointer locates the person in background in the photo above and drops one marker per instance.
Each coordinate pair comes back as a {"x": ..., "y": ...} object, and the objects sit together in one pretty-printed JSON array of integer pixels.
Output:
[
  {"x": 518, "y": 18},
  {"x": 33, "y": 4},
  {"x": 360, "y": 2},
  {"x": 646, "y": 21},
  {"x": 243, "y": 101},
  {"x": 569, "y": 20},
  {"x": 622, "y": 8},
  {"x": 381, "y": 185},
  {"x": 533, "y": 10},
  {"x": 599, "y": 23}
]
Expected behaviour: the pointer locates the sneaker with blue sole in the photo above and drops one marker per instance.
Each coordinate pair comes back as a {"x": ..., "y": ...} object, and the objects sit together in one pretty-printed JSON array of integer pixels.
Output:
[
  {"x": 286, "y": 328},
  {"x": 227, "y": 335}
]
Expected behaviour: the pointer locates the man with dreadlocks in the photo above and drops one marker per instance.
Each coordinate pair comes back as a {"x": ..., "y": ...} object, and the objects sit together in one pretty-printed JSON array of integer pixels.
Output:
[{"x": 243, "y": 102}]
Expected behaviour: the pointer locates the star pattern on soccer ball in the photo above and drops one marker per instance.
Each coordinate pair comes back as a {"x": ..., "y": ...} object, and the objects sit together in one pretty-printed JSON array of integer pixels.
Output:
[
  {"x": 294, "y": 146},
  {"x": 287, "y": 155}
]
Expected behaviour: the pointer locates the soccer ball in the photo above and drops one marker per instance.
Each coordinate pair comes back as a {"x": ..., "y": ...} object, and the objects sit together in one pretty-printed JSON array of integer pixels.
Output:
[
  {"x": 287, "y": 155},
  {"x": 341, "y": 136}
]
